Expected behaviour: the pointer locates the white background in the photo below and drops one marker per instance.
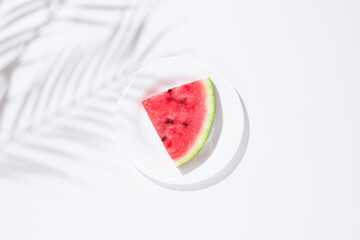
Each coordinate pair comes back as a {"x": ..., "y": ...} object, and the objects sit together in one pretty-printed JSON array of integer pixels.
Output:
[{"x": 294, "y": 63}]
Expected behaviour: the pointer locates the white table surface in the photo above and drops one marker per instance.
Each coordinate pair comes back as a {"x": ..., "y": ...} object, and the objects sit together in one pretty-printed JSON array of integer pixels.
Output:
[{"x": 294, "y": 63}]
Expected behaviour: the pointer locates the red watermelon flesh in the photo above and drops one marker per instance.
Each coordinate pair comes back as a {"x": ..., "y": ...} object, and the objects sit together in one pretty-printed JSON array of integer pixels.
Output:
[{"x": 182, "y": 117}]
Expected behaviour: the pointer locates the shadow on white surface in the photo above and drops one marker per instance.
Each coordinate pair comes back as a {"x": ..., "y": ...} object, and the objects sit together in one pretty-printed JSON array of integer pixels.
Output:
[{"x": 76, "y": 74}]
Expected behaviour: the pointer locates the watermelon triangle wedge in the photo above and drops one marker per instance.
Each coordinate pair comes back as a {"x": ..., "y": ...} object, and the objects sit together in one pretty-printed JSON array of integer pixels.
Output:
[{"x": 182, "y": 117}]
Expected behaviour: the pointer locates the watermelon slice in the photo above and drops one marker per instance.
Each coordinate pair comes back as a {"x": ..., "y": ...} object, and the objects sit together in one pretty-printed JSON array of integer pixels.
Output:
[{"x": 182, "y": 117}]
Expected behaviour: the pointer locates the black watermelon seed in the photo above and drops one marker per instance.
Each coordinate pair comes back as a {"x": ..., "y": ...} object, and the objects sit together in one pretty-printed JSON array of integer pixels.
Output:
[
  {"x": 182, "y": 102},
  {"x": 186, "y": 124},
  {"x": 171, "y": 99},
  {"x": 163, "y": 139},
  {"x": 170, "y": 121},
  {"x": 169, "y": 90}
]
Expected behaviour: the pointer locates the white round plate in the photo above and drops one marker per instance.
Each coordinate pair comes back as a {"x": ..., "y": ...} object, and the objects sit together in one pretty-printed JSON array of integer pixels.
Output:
[{"x": 142, "y": 144}]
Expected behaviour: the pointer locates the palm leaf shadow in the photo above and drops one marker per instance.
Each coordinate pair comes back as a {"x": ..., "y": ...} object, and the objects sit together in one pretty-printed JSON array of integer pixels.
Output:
[
  {"x": 16, "y": 164},
  {"x": 7, "y": 71},
  {"x": 22, "y": 6},
  {"x": 22, "y": 16},
  {"x": 88, "y": 107}
]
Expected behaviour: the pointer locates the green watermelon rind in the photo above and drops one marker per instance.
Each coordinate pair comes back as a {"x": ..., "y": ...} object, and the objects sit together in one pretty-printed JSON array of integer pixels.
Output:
[{"x": 199, "y": 143}]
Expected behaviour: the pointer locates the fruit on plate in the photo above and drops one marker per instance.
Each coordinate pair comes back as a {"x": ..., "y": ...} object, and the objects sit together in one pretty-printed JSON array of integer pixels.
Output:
[{"x": 182, "y": 117}]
